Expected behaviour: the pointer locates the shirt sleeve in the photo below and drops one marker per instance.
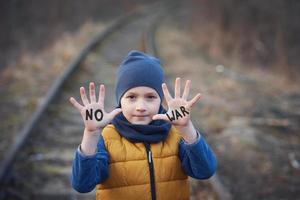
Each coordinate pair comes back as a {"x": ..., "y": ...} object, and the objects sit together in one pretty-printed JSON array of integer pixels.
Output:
[
  {"x": 88, "y": 171},
  {"x": 197, "y": 159}
]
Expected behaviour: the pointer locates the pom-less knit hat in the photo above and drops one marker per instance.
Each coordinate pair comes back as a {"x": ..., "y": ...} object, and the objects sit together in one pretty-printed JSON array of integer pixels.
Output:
[{"x": 139, "y": 69}]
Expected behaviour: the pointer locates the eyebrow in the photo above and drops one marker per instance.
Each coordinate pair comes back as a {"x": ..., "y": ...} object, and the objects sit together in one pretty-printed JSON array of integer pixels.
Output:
[{"x": 149, "y": 93}]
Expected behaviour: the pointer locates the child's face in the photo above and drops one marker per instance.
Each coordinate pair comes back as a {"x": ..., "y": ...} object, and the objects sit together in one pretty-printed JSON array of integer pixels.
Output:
[{"x": 139, "y": 104}]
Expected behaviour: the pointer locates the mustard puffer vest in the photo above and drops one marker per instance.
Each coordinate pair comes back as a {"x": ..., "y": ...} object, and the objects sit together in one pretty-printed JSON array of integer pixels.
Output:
[{"x": 138, "y": 171}]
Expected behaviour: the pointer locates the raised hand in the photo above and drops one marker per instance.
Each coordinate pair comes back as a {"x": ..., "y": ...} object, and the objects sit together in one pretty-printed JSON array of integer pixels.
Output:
[
  {"x": 92, "y": 112},
  {"x": 179, "y": 108}
]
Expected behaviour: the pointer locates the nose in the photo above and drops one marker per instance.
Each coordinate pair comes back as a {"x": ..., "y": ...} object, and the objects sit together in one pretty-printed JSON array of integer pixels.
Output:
[{"x": 141, "y": 106}]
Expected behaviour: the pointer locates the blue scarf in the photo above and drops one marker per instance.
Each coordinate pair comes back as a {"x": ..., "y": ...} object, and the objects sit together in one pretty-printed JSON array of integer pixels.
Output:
[{"x": 154, "y": 132}]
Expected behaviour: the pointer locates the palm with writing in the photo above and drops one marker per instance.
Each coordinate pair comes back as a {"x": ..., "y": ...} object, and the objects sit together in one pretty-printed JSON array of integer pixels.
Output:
[
  {"x": 98, "y": 118},
  {"x": 179, "y": 108}
]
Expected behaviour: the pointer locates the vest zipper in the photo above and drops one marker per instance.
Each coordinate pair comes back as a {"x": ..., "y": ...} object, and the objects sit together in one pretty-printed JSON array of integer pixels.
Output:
[{"x": 151, "y": 169}]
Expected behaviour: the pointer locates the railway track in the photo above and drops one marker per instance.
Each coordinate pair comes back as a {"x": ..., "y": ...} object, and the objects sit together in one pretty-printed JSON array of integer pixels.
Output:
[{"x": 38, "y": 164}]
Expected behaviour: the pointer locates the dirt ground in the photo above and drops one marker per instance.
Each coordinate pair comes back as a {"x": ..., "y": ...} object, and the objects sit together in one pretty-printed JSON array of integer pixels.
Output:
[{"x": 250, "y": 117}]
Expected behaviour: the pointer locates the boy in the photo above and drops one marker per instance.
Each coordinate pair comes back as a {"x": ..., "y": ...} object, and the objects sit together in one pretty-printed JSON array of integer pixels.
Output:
[{"x": 140, "y": 150}]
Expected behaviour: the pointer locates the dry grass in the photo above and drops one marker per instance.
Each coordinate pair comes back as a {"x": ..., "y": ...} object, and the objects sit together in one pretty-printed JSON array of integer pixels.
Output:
[{"x": 25, "y": 83}]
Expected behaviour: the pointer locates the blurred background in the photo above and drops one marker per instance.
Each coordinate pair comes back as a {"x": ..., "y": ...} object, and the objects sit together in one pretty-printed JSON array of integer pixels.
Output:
[{"x": 243, "y": 55}]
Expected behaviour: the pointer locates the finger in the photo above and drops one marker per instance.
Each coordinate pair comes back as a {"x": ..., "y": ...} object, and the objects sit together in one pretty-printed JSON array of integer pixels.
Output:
[
  {"x": 92, "y": 92},
  {"x": 186, "y": 90},
  {"x": 76, "y": 104},
  {"x": 193, "y": 101},
  {"x": 113, "y": 113},
  {"x": 101, "y": 94},
  {"x": 177, "y": 88},
  {"x": 160, "y": 117},
  {"x": 166, "y": 92},
  {"x": 84, "y": 99}
]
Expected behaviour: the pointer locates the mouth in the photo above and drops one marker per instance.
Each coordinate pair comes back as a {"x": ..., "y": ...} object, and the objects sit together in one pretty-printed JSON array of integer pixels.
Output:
[{"x": 140, "y": 115}]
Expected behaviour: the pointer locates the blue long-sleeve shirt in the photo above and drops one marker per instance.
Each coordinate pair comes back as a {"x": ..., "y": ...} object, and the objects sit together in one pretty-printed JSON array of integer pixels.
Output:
[{"x": 197, "y": 161}]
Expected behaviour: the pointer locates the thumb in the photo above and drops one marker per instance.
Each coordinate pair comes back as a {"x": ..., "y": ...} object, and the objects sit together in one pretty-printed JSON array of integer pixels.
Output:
[
  {"x": 113, "y": 113},
  {"x": 160, "y": 117}
]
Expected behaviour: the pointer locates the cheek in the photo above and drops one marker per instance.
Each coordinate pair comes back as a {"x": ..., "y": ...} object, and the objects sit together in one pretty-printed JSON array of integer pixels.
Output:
[
  {"x": 155, "y": 107},
  {"x": 127, "y": 108}
]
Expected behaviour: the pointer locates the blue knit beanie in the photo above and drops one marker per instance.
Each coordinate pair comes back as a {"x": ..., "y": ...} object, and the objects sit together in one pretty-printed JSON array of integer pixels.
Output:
[{"x": 139, "y": 69}]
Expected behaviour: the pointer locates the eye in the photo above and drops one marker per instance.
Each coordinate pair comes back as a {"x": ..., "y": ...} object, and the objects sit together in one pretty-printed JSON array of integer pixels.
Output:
[
  {"x": 130, "y": 97},
  {"x": 152, "y": 97}
]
